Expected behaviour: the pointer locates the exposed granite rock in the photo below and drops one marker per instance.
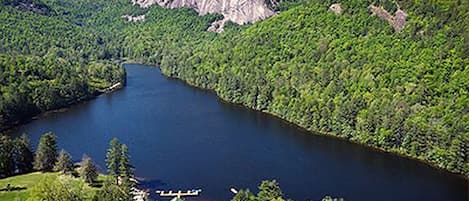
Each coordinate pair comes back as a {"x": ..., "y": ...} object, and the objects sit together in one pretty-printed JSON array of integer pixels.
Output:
[
  {"x": 131, "y": 18},
  {"x": 398, "y": 21},
  {"x": 237, "y": 11},
  {"x": 336, "y": 8},
  {"x": 217, "y": 26}
]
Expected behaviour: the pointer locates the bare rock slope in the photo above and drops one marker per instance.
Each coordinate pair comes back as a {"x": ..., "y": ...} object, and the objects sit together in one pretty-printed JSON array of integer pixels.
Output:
[{"x": 237, "y": 11}]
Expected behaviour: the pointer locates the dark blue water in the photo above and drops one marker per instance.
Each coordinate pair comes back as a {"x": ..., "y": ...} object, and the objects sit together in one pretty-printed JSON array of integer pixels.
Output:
[{"x": 184, "y": 138}]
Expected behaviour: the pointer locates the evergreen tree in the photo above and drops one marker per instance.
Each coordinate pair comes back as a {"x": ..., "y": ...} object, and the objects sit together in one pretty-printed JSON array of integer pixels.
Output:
[
  {"x": 64, "y": 162},
  {"x": 88, "y": 170},
  {"x": 6, "y": 158},
  {"x": 23, "y": 155},
  {"x": 46, "y": 154},
  {"x": 125, "y": 168},
  {"x": 126, "y": 173},
  {"x": 112, "y": 159}
]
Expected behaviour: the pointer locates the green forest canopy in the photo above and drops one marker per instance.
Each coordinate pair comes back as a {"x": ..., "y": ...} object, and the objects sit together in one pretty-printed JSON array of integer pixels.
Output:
[{"x": 347, "y": 75}]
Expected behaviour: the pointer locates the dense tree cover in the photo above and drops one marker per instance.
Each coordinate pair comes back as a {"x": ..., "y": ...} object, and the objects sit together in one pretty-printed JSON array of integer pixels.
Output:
[
  {"x": 47, "y": 63},
  {"x": 36, "y": 6},
  {"x": 347, "y": 75}
]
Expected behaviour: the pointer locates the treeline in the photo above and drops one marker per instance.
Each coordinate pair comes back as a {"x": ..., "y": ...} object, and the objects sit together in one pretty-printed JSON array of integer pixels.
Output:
[
  {"x": 118, "y": 185},
  {"x": 32, "y": 84},
  {"x": 17, "y": 157},
  {"x": 269, "y": 191}
]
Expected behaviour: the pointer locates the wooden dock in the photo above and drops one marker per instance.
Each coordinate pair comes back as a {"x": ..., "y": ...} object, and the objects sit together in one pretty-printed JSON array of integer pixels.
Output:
[{"x": 178, "y": 194}]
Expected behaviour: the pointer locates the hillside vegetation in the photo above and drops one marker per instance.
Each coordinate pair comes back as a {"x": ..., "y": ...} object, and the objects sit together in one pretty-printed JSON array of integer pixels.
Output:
[
  {"x": 47, "y": 63},
  {"x": 348, "y": 75}
]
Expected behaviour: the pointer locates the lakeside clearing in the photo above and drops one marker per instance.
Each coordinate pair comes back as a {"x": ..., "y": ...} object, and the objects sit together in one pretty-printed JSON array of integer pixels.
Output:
[{"x": 21, "y": 185}]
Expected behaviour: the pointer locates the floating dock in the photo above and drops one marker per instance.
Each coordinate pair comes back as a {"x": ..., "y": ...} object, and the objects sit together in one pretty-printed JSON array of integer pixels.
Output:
[{"x": 179, "y": 194}]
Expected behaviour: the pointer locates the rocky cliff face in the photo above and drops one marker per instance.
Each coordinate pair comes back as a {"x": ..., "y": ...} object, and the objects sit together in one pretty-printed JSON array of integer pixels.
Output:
[{"x": 237, "y": 11}]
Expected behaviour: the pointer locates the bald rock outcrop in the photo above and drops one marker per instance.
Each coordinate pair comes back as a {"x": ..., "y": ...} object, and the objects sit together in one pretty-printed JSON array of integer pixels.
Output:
[
  {"x": 237, "y": 11},
  {"x": 397, "y": 21}
]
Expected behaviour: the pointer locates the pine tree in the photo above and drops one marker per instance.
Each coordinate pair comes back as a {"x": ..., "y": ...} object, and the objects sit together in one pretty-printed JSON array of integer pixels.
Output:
[
  {"x": 88, "y": 170},
  {"x": 23, "y": 155},
  {"x": 125, "y": 168},
  {"x": 126, "y": 173},
  {"x": 6, "y": 158},
  {"x": 46, "y": 154},
  {"x": 112, "y": 159},
  {"x": 64, "y": 162}
]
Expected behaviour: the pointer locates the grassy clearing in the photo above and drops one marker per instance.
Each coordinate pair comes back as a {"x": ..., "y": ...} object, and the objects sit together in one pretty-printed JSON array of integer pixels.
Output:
[{"x": 22, "y": 184}]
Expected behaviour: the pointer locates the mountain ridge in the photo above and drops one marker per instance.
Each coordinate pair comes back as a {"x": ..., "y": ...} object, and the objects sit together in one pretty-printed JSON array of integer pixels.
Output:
[{"x": 239, "y": 12}]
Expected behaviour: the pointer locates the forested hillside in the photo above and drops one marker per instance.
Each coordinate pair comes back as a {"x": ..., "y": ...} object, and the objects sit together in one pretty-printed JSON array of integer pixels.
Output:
[
  {"x": 47, "y": 63},
  {"x": 350, "y": 75}
]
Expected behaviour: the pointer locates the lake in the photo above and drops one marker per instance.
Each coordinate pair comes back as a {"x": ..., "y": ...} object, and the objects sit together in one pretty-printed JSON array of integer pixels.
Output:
[{"x": 181, "y": 137}]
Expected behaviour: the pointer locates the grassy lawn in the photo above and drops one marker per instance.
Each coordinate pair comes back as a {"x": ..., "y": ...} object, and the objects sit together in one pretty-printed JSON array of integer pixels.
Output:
[{"x": 24, "y": 183}]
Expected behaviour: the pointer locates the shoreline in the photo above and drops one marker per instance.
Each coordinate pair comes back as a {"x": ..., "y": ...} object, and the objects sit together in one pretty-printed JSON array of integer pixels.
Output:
[
  {"x": 122, "y": 84},
  {"x": 325, "y": 134},
  {"x": 115, "y": 87}
]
